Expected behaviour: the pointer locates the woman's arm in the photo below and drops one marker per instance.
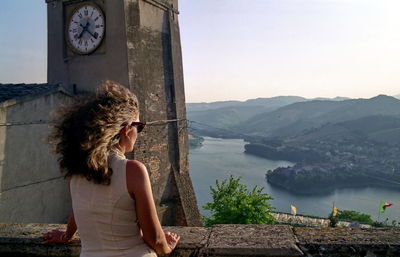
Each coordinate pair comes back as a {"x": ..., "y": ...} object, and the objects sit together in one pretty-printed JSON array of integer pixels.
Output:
[
  {"x": 139, "y": 187},
  {"x": 60, "y": 236}
]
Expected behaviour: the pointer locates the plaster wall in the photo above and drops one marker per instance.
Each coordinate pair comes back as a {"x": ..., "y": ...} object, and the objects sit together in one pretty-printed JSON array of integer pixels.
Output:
[{"x": 32, "y": 187}]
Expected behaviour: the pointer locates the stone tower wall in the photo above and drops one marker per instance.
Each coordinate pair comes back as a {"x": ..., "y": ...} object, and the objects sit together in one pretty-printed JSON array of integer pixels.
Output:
[{"x": 142, "y": 51}]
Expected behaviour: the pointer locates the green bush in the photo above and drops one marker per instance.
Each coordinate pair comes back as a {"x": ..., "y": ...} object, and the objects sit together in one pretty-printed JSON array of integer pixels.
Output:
[
  {"x": 386, "y": 224},
  {"x": 233, "y": 203},
  {"x": 333, "y": 220},
  {"x": 354, "y": 216}
]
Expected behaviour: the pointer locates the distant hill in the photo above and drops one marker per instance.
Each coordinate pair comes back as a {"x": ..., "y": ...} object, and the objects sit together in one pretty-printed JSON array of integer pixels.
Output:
[
  {"x": 271, "y": 102},
  {"x": 210, "y": 106},
  {"x": 389, "y": 136},
  {"x": 226, "y": 114},
  {"x": 338, "y": 98},
  {"x": 292, "y": 120},
  {"x": 377, "y": 128}
]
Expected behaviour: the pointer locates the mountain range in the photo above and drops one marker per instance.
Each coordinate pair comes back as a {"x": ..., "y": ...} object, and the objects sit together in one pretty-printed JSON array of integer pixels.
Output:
[
  {"x": 228, "y": 113},
  {"x": 284, "y": 116},
  {"x": 334, "y": 143}
]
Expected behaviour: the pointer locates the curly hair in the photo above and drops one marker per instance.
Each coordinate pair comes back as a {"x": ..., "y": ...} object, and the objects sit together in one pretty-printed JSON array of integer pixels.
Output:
[{"x": 86, "y": 131}]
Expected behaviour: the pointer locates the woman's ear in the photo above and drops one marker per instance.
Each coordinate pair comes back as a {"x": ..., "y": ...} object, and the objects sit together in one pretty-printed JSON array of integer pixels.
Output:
[{"x": 124, "y": 131}]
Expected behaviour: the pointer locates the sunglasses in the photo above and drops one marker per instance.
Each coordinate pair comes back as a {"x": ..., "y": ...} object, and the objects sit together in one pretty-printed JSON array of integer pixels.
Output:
[{"x": 139, "y": 126}]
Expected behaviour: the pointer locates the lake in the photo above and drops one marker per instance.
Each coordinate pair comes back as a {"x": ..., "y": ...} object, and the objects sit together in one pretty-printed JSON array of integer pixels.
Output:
[{"x": 219, "y": 158}]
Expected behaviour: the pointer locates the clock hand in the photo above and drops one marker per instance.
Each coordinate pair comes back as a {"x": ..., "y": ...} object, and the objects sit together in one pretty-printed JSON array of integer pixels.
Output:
[
  {"x": 84, "y": 28},
  {"x": 88, "y": 31}
]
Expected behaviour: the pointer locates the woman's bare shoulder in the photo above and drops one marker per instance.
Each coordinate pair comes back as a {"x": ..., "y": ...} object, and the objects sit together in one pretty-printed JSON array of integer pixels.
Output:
[
  {"x": 136, "y": 175},
  {"x": 135, "y": 166}
]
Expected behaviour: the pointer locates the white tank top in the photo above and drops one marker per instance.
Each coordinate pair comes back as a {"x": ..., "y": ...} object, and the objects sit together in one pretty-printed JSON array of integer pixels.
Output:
[{"x": 106, "y": 217}]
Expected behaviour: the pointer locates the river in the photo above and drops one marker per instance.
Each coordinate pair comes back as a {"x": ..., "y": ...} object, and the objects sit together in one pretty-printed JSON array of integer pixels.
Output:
[{"x": 219, "y": 158}]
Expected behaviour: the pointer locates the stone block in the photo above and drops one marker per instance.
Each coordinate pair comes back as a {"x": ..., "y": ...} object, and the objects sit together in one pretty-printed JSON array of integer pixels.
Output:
[
  {"x": 377, "y": 242},
  {"x": 192, "y": 240},
  {"x": 251, "y": 240},
  {"x": 24, "y": 239}
]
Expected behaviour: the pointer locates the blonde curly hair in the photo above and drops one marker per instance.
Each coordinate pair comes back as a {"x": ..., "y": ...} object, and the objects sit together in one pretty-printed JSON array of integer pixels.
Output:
[{"x": 86, "y": 131}]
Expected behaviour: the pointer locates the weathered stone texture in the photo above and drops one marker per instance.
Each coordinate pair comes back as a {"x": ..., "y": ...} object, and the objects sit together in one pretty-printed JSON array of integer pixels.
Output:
[
  {"x": 141, "y": 51},
  {"x": 251, "y": 240},
  {"x": 156, "y": 76},
  {"x": 24, "y": 240},
  {"x": 349, "y": 241}
]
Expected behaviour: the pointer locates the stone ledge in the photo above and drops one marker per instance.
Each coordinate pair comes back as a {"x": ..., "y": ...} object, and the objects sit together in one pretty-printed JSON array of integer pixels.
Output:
[
  {"x": 252, "y": 240},
  {"x": 21, "y": 240},
  {"x": 349, "y": 241}
]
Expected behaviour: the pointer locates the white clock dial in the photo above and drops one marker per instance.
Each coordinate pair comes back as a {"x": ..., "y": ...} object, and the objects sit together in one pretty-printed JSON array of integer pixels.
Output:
[{"x": 86, "y": 29}]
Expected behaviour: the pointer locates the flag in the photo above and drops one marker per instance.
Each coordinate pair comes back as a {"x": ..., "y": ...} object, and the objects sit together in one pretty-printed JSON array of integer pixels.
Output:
[
  {"x": 335, "y": 211},
  {"x": 383, "y": 206},
  {"x": 293, "y": 209}
]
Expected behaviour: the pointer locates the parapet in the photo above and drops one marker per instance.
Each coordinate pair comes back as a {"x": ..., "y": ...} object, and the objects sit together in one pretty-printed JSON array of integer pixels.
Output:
[{"x": 227, "y": 240}]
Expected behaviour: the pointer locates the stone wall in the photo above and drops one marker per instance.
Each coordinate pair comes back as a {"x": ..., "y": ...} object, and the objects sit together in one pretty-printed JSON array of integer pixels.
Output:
[
  {"x": 227, "y": 240},
  {"x": 308, "y": 221},
  {"x": 32, "y": 189},
  {"x": 142, "y": 51}
]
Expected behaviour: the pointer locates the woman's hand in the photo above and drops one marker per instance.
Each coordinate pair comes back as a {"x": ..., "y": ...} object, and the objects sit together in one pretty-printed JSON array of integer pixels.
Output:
[
  {"x": 172, "y": 239},
  {"x": 55, "y": 236}
]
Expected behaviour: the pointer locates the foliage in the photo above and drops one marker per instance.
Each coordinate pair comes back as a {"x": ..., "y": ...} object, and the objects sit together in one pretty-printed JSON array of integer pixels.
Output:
[
  {"x": 354, "y": 216},
  {"x": 234, "y": 203},
  {"x": 386, "y": 223},
  {"x": 333, "y": 220}
]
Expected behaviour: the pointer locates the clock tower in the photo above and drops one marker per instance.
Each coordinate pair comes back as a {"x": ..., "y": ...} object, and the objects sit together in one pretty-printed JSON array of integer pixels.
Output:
[{"x": 137, "y": 44}]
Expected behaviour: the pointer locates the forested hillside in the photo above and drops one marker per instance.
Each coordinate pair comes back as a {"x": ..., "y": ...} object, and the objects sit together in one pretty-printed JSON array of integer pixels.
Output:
[{"x": 341, "y": 143}]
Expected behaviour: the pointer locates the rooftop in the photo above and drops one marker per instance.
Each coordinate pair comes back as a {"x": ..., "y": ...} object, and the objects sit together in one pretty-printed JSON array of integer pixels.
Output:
[{"x": 24, "y": 91}]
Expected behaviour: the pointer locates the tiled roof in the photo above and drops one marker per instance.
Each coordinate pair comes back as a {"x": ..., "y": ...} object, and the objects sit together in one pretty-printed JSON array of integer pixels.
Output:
[{"x": 14, "y": 91}]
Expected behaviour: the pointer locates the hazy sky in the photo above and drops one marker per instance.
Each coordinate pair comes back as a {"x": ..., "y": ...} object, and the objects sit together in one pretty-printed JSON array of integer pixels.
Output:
[{"x": 238, "y": 49}]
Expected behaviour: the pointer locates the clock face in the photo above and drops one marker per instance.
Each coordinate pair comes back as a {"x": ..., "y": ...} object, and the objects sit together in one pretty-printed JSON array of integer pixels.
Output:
[{"x": 85, "y": 29}]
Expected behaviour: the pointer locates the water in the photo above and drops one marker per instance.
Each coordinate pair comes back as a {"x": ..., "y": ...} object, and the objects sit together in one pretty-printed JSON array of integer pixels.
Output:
[{"x": 219, "y": 158}]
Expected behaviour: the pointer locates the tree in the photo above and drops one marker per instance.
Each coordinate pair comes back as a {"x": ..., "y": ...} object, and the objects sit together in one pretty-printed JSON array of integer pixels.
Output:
[
  {"x": 234, "y": 203},
  {"x": 354, "y": 216}
]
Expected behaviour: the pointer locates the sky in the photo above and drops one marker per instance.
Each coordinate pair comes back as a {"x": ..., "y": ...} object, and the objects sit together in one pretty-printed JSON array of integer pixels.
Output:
[{"x": 238, "y": 49}]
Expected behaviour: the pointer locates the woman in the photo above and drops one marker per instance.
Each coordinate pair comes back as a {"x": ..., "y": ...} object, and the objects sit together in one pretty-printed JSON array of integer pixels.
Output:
[{"x": 112, "y": 201}]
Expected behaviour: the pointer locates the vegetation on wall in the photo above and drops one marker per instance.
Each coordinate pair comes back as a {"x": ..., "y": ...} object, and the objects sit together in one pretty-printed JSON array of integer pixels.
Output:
[
  {"x": 233, "y": 203},
  {"x": 348, "y": 215}
]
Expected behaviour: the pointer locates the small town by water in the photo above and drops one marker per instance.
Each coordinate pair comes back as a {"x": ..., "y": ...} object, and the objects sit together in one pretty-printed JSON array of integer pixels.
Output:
[{"x": 220, "y": 158}]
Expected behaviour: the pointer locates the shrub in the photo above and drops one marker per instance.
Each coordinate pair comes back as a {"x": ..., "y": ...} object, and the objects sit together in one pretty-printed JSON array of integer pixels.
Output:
[
  {"x": 354, "y": 216},
  {"x": 234, "y": 203}
]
